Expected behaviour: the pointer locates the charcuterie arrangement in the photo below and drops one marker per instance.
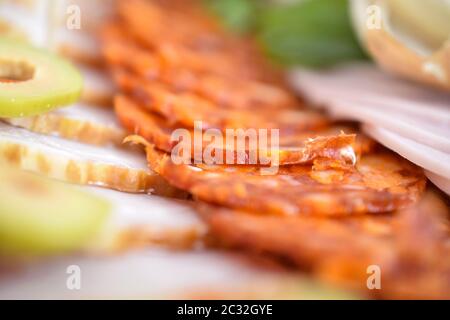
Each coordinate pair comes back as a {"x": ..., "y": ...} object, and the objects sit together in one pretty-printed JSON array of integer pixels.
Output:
[
  {"x": 327, "y": 215},
  {"x": 163, "y": 147}
]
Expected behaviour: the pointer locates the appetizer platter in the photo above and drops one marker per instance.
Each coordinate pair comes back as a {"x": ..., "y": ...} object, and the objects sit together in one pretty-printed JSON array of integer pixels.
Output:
[{"x": 180, "y": 149}]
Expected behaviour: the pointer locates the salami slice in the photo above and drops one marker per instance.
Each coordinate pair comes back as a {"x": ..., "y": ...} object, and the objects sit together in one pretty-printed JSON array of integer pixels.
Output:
[
  {"x": 379, "y": 183},
  {"x": 195, "y": 42},
  {"x": 337, "y": 142},
  {"x": 411, "y": 248},
  {"x": 223, "y": 91},
  {"x": 186, "y": 108}
]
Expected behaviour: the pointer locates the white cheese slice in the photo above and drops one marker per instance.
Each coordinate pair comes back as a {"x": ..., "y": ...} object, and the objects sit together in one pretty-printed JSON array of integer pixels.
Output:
[
  {"x": 79, "y": 122},
  {"x": 74, "y": 162}
]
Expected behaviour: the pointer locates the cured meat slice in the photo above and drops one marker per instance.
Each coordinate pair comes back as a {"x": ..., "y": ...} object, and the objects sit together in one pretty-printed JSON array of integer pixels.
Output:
[
  {"x": 330, "y": 143},
  {"x": 230, "y": 93},
  {"x": 138, "y": 121},
  {"x": 378, "y": 183},
  {"x": 195, "y": 42},
  {"x": 306, "y": 241},
  {"x": 187, "y": 108},
  {"x": 190, "y": 26},
  {"x": 411, "y": 247}
]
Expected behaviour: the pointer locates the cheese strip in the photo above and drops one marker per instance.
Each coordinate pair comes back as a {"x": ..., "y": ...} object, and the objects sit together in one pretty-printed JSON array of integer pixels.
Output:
[
  {"x": 79, "y": 163},
  {"x": 80, "y": 122},
  {"x": 141, "y": 221}
]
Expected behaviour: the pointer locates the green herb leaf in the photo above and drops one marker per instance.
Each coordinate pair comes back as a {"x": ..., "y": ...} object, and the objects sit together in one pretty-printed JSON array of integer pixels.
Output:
[
  {"x": 315, "y": 33},
  {"x": 237, "y": 15}
]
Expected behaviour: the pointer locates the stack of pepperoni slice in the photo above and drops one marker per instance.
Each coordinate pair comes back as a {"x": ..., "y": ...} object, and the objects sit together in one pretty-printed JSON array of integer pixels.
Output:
[{"x": 336, "y": 203}]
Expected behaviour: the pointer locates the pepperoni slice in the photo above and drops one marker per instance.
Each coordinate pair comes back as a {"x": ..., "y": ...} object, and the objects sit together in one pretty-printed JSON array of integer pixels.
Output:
[
  {"x": 138, "y": 121},
  {"x": 330, "y": 143},
  {"x": 225, "y": 92},
  {"x": 194, "y": 42},
  {"x": 379, "y": 183},
  {"x": 186, "y": 108},
  {"x": 410, "y": 247}
]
